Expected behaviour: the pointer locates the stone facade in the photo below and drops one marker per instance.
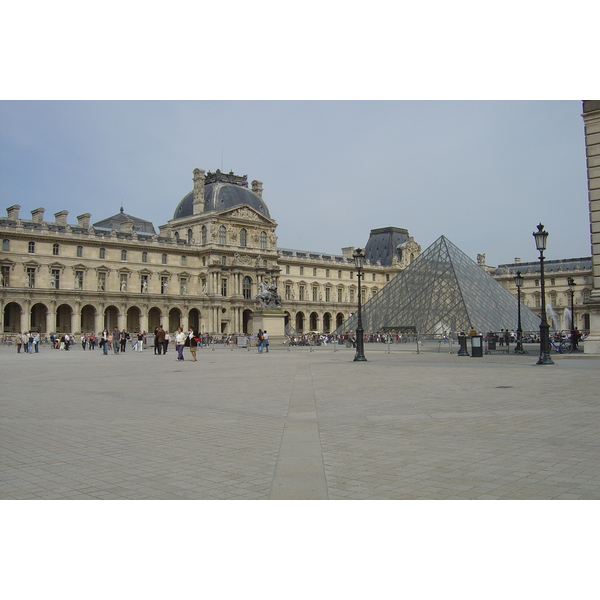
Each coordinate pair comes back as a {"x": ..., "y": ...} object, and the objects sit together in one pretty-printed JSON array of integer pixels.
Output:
[
  {"x": 558, "y": 295},
  {"x": 591, "y": 120},
  {"x": 202, "y": 269}
]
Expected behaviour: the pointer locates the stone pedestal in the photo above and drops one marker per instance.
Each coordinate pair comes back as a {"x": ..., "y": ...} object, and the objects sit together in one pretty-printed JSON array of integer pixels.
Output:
[{"x": 271, "y": 320}]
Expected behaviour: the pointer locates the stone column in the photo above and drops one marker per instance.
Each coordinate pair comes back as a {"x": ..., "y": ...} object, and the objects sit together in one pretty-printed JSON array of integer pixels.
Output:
[{"x": 591, "y": 120}]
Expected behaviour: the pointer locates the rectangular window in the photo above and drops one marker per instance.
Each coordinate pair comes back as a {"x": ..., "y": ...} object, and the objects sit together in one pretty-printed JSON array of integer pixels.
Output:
[
  {"x": 352, "y": 296},
  {"x": 30, "y": 277},
  {"x": 164, "y": 259},
  {"x": 144, "y": 257},
  {"x": 373, "y": 277},
  {"x": 327, "y": 294},
  {"x": 102, "y": 253},
  {"x": 78, "y": 280},
  {"x": 315, "y": 294},
  {"x": 287, "y": 269},
  {"x": 339, "y": 294},
  {"x": 314, "y": 272},
  {"x": 339, "y": 274},
  {"x": 288, "y": 292},
  {"x": 552, "y": 281},
  {"x": 31, "y": 247},
  {"x": 55, "y": 279},
  {"x": 183, "y": 261},
  {"x": 79, "y": 251},
  {"x": 223, "y": 287},
  {"x": 301, "y": 292},
  {"x": 301, "y": 270},
  {"x": 363, "y": 295},
  {"x": 123, "y": 254},
  {"x": 55, "y": 249},
  {"x": 183, "y": 286},
  {"x": 326, "y": 272}
]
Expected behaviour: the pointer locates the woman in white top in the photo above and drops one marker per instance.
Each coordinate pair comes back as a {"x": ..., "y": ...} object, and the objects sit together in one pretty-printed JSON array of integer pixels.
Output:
[{"x": 180, "y": 343}]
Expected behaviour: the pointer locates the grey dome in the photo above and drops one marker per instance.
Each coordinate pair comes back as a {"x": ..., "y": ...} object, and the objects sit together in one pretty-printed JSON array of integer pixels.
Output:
[{"x": 220, "y": 196}]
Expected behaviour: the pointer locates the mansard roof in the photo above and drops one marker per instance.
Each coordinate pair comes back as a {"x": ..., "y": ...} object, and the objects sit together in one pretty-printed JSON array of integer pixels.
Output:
[{"x": 140, "y": 226}]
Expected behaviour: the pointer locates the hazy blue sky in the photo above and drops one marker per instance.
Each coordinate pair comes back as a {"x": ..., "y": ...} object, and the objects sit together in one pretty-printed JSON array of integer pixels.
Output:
[{"x": 483, "y": 173}]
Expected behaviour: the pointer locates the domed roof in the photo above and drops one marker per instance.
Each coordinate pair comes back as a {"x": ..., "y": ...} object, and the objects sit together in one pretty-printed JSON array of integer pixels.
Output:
[{"x": 220, "y": 196}]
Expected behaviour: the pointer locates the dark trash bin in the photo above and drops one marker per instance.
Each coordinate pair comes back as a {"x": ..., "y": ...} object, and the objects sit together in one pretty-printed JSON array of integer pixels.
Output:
[
  {"x": 477, "y": 346},
  {"x": 491, "y": 341},
  {"x": 462, "y": 342}
]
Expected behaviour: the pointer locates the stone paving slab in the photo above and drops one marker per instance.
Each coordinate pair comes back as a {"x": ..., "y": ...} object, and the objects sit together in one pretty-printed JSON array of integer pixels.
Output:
[{"x": 298, "y": 424}]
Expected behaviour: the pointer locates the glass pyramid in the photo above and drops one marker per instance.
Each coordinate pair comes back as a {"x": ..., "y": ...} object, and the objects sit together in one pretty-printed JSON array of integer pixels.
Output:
[{"x": 443, "y": 290}]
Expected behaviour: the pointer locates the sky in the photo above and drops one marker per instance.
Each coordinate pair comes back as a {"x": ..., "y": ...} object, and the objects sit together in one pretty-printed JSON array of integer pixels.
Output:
[{"x": 482, "y": 173}]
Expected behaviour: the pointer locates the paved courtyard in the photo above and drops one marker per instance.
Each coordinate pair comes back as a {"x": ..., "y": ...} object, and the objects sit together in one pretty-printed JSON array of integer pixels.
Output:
[{"x": 298, "y": 424}]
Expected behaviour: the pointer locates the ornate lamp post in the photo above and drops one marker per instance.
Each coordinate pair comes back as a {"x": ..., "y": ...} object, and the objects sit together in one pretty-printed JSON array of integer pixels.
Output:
[
  {"x": 571, "y": 284},
  {"x": 541, "y": 237},
  {"x": 359, "y": 262},
  {"x": 519, "y": 346}
]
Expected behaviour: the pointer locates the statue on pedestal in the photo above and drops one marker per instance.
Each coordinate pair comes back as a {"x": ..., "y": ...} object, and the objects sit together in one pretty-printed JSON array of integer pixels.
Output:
[{"x": 268, "y": 297}]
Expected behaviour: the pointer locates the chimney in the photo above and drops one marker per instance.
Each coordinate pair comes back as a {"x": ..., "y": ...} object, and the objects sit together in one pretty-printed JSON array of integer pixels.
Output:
[
  {"x": 257, "y": 188},
  {"x": 12, "y": 212},
  {"x": 61, "y": 218},
  {"x": 127, "y": 226},
  {"x": 198, "y": 204},
  {"x": 517, "y": 260},
  {"x": 83, "y": 221},
  {"x": 37, "y": 215}
]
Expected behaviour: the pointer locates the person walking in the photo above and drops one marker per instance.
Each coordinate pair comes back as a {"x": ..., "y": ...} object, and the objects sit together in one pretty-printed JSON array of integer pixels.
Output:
[
  {"x": 180, "y": 343},
  {"x": 123, "y": 341},
  {"x": 166, "y": 342},
  {"x": 260, "y": 338},
  {"x": 160, "y": 339},
  {"x": 265, "y": 340},
  {"x": 116, "y": 340},
  {"x": 194, "y": 338},
  {"x": 104, "y": 341},
  {"x": 140, "y": 342}
]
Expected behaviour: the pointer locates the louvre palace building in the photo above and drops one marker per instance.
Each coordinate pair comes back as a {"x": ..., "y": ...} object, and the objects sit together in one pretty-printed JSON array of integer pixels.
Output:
[{"x": 202, "y": 269}]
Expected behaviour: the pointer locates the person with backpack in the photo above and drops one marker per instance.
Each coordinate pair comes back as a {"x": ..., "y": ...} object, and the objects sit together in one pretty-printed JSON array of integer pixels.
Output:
[{"x": 260, "y": 341}]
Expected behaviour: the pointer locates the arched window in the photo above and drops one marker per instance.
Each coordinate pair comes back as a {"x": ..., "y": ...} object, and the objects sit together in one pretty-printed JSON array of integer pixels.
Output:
[
  {"x": 55, "y": 249},
  {"x": 190, "y": 236},
  {"x": 243, "y": 238},
  {"x": 5, "y": 245},
  {"x": 222, "y": 235},
  {"x": 263, "y": 240},
  {"x": 247, "y": 288},
  {"x": 204, "y": 233}
]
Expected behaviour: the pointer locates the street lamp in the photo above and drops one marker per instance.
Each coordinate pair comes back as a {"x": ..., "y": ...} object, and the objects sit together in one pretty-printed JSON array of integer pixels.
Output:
[
  {"x": 519, "y": 346},
  {"x": 359, "y": 263},
  {"x": 541, "y": 237},
  {"x": 571, "y": 284}
]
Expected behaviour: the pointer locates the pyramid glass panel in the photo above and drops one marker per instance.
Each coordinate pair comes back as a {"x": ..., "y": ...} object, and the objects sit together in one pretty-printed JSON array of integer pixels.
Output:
[{"x": 443, "y": 290}]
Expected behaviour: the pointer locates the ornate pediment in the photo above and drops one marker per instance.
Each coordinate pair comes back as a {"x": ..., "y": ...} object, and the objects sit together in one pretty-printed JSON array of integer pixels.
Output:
[{"x": 245, "y": 213}]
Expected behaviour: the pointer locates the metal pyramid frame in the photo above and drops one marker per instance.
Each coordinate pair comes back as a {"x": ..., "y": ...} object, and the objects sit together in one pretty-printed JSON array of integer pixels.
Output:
[{"x": 443, "y": 290}]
